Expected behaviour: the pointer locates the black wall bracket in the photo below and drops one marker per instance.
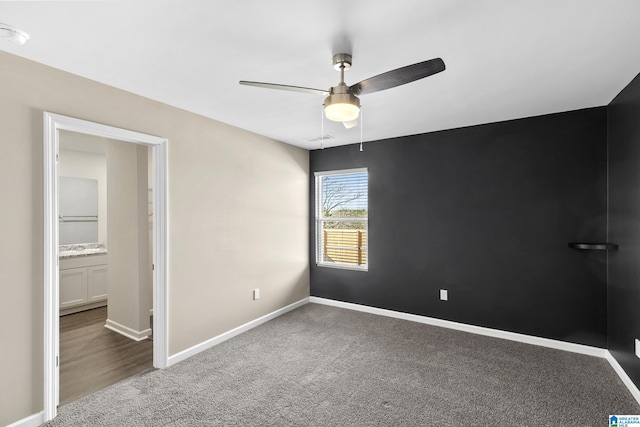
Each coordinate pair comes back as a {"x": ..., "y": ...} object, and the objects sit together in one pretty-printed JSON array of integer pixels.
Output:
[{"x": 602, "y": 246}]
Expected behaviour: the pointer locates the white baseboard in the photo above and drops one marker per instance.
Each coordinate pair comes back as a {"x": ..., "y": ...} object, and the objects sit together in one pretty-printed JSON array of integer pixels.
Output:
[
  {"x": 178, "y": 357},
  {"x": 128, "y": 332},
  {"x": 31, "y": 421},
  {"x": 623, "y": 376},
  {"x": 84, "y": 307},
  {"x": 479, "y": 330}
]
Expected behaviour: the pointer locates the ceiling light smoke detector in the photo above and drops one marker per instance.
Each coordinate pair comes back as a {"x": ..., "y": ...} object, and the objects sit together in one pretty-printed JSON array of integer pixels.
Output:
[{"x": 13, "y": 35}]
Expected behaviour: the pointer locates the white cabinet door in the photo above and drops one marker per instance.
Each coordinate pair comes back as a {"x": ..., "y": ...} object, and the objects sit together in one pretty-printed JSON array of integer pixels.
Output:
[
  {"x": 73, "y": 287},
  {"x": 97, "y": 288}
]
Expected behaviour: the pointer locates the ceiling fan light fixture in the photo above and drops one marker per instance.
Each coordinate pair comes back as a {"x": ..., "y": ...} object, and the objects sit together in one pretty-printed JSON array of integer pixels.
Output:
[
  {"x": 13, "y": 35},
  {"x": 342, "y": 103},
  {"x": 342, "y": 107}
]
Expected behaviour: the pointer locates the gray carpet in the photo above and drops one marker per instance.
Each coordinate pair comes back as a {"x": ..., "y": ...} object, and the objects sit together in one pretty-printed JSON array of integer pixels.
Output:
[{"x": 325, "y": 366}]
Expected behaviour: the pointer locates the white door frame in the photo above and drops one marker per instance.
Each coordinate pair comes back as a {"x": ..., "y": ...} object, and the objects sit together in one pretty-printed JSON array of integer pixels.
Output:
[{"x": 52, "y": 124}]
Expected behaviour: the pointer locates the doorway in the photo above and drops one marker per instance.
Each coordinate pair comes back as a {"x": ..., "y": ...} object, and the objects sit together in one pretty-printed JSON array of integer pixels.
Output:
[
  {"x": 53, "y": 124},
  {"x": 105, "y": 290}
]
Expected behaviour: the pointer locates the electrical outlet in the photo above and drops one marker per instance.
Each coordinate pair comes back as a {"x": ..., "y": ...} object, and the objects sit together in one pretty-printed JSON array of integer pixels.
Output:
[
  {"x": 256, "y": 294},
  {"x": 444, "y": 295},
  {"x": 638, "y": 348}
]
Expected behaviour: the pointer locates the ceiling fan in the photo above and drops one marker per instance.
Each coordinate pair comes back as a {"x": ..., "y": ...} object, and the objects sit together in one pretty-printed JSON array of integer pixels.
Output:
[{"x": 342, "y": 103}]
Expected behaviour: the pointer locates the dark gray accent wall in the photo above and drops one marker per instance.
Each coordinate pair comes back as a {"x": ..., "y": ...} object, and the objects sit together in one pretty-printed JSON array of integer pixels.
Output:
[
  {"x": 485, "y": 212},
  {"x": 624, "y": 228}
]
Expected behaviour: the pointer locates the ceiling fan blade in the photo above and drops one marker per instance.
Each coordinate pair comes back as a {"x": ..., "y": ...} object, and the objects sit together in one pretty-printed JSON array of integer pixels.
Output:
[
  {"x": 286, "y": 87},
  {"x": 350, "y": 123},
  {"x": 398, "y": 77}
]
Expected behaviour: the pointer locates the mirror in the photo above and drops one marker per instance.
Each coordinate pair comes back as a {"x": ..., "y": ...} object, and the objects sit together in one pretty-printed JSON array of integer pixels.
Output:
[{"x": 82, "y": 189}]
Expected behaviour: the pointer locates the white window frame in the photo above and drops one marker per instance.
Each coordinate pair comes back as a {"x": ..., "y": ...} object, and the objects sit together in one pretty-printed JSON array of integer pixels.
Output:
[{"x": 319, "y": 219}]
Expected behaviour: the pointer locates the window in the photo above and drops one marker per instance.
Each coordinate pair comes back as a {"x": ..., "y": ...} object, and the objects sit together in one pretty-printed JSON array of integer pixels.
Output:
[{"x": 342, "y": 218}]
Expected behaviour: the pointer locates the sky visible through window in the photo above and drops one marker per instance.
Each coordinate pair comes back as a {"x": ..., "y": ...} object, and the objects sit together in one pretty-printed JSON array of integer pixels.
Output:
[{"x": 344, "y": 193}]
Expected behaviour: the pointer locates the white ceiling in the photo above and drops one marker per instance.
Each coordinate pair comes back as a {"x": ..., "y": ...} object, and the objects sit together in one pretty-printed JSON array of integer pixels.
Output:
[{"x": 505, "y": 59}]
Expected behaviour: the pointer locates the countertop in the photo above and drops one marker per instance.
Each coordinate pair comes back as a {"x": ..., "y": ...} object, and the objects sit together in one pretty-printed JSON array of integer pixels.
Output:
[{"x": 81, "y": 250}]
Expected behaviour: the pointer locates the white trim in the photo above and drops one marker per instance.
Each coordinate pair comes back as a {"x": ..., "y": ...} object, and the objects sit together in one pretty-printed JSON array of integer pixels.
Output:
[
  {"x": 479, "y": 330},
  {"x": 342, "y": 266},
  {"x": 624, "y": 377},
  {"x": 338, "y": 219},
  {"x": 31, "y": 421},
  {"x": 83, "y": 307},
  {"x": 320, "y": 219},
  {"x": 342, "y": 172},
  {"x": 185, "y": 354},
  {"x": 52, "y": 124},
  {"x": 51, "y": 268},
  {"x": 126, "y": 331},
  {"x": 161, "y": 257}
]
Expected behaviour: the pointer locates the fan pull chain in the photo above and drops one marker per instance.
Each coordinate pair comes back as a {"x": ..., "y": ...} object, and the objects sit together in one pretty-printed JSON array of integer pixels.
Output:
[
  {"x": 322, "y": 128},
  {"x": 361, "y": 126}
]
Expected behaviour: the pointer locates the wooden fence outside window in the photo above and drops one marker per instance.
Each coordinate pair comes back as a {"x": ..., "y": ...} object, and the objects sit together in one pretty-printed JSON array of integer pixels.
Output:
[{"x": 345, "y": 246}]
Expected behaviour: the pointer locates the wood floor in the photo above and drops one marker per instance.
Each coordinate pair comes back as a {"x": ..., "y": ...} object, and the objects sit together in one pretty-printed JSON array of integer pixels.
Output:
[{"x": 93, "y": 357}]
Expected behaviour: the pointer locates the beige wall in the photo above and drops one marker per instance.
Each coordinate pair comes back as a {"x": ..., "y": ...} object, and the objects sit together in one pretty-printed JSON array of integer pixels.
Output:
[
  {"x": 145, "y": 250},
  {"x": 129, "y": 270},
  {"x": 238, "y": 218}
]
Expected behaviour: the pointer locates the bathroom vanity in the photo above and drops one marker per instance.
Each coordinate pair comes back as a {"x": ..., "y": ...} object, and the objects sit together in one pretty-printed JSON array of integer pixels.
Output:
[{"x": 83, "y": 277}]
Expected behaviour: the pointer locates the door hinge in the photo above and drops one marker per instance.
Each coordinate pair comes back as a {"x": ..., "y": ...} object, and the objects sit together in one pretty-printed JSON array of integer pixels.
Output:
[
  {"x": 153, "y": 267},
  {"x": 56, "y": 157},
  {"x": 57, "y": 361}
]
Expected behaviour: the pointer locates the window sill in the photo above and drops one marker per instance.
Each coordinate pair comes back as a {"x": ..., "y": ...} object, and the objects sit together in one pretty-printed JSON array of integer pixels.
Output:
[{"x": 342, "y": 266}]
